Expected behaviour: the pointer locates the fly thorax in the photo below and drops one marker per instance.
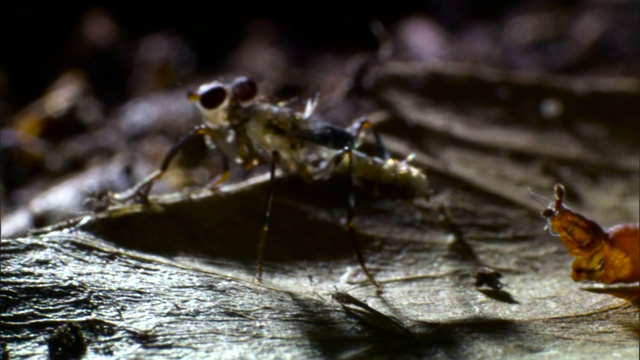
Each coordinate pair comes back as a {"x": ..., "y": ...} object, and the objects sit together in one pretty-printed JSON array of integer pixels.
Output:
[{"x": 268, "y": 128}]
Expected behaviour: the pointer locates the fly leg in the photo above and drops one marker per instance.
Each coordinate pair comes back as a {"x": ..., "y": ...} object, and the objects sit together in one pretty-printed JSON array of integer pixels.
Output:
[
  {"x": 140, "y": 191},
  {"x": 264, "y": 232},
  {"x": 358, "y": 129},
  {"x": 345, "y": 141},
  {"x": 351, "y": 205},
  {"x": 223, "y": 176}
]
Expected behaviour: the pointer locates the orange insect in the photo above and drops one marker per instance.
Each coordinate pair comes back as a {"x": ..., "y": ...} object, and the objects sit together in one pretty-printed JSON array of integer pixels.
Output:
[{"x": 606, "y": 256}]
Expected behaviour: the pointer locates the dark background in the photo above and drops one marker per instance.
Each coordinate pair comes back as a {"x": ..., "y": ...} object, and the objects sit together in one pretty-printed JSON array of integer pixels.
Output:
[{"x": 38, "y": 38}]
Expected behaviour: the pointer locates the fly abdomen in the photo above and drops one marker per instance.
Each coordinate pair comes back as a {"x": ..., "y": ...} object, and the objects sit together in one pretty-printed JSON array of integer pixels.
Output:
[{"x": 393, "y": 178}]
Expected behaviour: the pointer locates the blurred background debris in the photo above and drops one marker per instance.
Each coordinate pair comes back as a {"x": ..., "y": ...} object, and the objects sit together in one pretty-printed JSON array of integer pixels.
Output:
[{"x": 98, "y": 83}]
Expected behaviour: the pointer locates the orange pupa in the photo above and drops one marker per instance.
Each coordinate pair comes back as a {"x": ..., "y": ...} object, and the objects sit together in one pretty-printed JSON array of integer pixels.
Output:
[{"x": 606, "y": 256}]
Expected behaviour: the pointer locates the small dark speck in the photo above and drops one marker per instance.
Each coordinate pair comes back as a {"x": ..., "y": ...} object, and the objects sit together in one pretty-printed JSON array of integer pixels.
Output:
[{"x": 66, "y": 342}]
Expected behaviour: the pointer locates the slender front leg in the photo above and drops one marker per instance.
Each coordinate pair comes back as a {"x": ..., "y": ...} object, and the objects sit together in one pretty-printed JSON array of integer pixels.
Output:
[
  {"x": 264, "y": 232},
  {"x": 222, "y": 177},
  {"x": 351, "y": 206},
  {"x": 141, "y": 190}
]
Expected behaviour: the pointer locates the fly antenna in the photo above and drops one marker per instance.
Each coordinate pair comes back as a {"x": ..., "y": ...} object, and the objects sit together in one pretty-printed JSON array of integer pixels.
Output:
[{"x": 539, "y": 198}]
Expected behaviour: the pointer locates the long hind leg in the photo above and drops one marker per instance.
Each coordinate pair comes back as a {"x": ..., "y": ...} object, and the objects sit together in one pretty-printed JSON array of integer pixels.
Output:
[
  {"x": 351, "y": 206},
  {"x": 358, "y": 129}
]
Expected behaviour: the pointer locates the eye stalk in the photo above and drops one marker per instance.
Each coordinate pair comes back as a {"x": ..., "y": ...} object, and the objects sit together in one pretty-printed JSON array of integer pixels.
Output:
[
  {"x": 244, "y": 89},
  {"x": 213, "y": 97}
]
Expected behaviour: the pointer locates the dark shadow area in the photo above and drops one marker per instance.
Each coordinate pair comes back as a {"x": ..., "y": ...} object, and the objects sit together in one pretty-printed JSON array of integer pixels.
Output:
[
  {"x": 499, "y": 295},
  {"x": 379, "y": 335},
  {"x": 305, "y": 224}
]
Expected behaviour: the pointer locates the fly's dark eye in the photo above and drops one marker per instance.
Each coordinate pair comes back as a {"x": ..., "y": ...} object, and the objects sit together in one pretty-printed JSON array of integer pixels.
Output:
[
  {"x": 244, "y": 89},
  {"x": 213, "y": 97},
  {"x": 548, "y": 213}
]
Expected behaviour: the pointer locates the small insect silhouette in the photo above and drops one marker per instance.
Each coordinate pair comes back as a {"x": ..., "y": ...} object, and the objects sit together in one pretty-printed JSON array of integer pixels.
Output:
[
  {"x": 252, "y": 131},
  {"x": 606, "y": 256},
  {"x": 488, "y": 277}
]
